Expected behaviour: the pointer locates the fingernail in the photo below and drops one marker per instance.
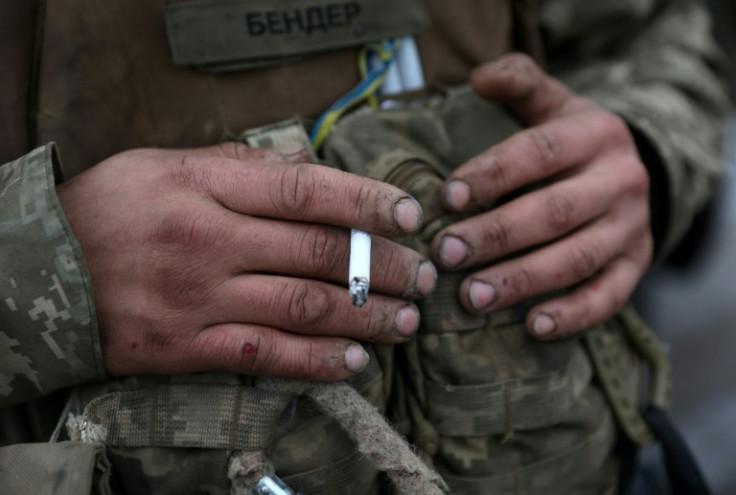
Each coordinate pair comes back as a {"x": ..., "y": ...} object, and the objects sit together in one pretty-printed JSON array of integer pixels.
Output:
[
  {"x": 457, "y": 195},
  {"x": 544, "y": 325},
  {"x": 295, "y": 154},
  {"x": 407, "y": 321},
  {"x": 408, "y": 215},
  {"x": 453, "y": 251},
  {"x": 426, "y": 278},
  {"x": 481, "y": 294},
  {"x": 291, "y": 149},
  {"x": 497, "y": 65},
  {"x": 356, "y": 359}
]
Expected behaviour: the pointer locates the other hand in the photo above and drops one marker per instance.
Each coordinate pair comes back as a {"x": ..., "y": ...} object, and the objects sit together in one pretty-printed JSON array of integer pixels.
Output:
[{"x": 584, "y": 226}]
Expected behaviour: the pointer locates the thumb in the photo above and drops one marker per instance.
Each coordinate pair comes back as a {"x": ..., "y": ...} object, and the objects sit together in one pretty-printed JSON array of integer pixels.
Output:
[{"x": 516, "y": 81}]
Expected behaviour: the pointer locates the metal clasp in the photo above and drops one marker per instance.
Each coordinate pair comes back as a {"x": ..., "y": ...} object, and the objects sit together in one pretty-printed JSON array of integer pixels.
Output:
[{"x": 272, "y": 485}]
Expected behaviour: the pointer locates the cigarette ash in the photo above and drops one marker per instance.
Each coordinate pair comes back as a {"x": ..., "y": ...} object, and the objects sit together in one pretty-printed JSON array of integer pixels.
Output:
[{"x": 359, "y": 291}]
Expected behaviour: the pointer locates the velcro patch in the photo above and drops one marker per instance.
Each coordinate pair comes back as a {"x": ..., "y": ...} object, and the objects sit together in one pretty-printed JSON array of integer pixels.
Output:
[{"x": 254, "y": 33}]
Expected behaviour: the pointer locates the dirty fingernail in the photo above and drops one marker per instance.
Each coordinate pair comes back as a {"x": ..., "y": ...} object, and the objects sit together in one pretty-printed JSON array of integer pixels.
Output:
[
  {"x": 457, "y": 195},
  {"x": 544, "y": 325},
  {"x": 356, "y": 359},
  {"x": 407, "y": 321},
  {"x": 408, "y": 215},
  {"x": 453, "y": 251},
  {"x": 481, "y": 295},
  {"x": 426, "y": 278},
  {"x": 295, "y": 154}
]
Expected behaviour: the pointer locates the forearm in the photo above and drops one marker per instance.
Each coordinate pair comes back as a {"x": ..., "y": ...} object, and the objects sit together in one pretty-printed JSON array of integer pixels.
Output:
[{"x": 48, "y": 330}]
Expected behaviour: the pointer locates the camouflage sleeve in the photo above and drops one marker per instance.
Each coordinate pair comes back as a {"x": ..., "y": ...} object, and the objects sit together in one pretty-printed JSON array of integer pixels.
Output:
[
  {"x": 48, "y": 331},
  {"x": 654, "y": 63}
]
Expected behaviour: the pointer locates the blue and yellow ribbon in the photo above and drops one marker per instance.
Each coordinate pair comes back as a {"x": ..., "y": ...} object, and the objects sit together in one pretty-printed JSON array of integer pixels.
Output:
[{"x": 365, "y": 91}]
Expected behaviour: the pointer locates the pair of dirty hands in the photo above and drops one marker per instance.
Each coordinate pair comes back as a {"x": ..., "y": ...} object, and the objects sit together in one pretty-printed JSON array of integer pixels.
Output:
[{"x": 233, "y": 258}]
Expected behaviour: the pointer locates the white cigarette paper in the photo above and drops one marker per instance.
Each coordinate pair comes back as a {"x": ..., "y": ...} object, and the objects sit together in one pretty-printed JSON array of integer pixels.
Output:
[{"x": 359, "y": 275}]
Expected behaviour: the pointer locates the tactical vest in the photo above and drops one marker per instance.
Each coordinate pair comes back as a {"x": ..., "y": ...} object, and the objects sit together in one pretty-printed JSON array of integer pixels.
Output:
[{"x": 492, "y": 410}]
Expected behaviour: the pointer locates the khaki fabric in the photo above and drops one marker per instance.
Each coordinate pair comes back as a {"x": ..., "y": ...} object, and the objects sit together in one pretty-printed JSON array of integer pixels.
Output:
[{"x": 49, "y": 296}]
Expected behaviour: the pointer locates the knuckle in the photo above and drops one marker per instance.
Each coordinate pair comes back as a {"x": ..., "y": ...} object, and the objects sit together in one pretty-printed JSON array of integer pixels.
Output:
[
  {"x": 297, "y": 190},
  {"x": 308, "y": 305},
  {"x": 586, "y": 258},
  {"x": 366, "y": 202},
  {"x": 261, "y": 355},
  {"x": 613, "y": 126},
  {"x": 183, "y": 286},
  {"x": 234, "y": 149},
  {"x": 315, "y": 365},
  {"x": 321, "y": 250},
  {"x": 560, "y": 212},
  {"x": 494, "y": 172},
  {"x": 395, "y": 270},
  {"x": 159, "y": 339},
  {"x": 523, "y": 67},
  {"x": 497, "y": 235},
  {"x": 522, "y": 282},
  {"x": 187, "y": 231},
  {"x": 190, "y": 177},
  {"x": 637, "y": 180},
  {"x": 180, "y": 242},
  {"x": 375, "y": 327},
  {"x": 253, "y": 357},
  {"x": 546, "y": 146},
  {"x": 521, "y": 60}
]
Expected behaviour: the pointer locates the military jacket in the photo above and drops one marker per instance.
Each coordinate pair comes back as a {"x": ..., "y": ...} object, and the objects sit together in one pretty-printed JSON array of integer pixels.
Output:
[{"x": 101, "y": 81}]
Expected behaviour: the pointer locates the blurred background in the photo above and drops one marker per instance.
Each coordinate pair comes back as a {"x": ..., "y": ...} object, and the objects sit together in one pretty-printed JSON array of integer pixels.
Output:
[{"x": 690, "y": 303}]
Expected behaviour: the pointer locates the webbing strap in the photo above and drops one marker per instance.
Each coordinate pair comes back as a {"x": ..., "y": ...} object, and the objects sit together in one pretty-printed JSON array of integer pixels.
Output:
[
  {"x": 190, "y": 415},
  {"x": 588, "y": 456},
  {"x": 495, "y": 408},
  {"x": 229, "y": 416},
  {"x": 604, "y": 356}
]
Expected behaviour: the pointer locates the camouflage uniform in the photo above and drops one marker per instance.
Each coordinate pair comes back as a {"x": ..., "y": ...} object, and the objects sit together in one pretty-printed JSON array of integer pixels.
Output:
[{"x": 491, "y": 409}]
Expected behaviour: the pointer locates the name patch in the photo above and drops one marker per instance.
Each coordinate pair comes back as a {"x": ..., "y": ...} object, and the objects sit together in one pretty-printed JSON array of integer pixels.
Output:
[{"x": 253, "y": 33}]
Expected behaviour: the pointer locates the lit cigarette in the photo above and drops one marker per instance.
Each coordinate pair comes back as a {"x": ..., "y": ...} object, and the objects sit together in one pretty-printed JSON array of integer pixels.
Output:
[{"x": 359, "y": 276}]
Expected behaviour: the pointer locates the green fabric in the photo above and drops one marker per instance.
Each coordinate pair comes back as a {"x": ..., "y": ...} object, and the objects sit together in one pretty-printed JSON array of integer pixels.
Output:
[
  {"x": 511, "y": 405},
  {"x": 48, "y": 332}
]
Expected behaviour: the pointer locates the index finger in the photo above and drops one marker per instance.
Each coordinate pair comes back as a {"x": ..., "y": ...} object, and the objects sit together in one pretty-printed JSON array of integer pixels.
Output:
[
  {"x": 309, "y": 193},
  {"x": 529, "y": 156}
]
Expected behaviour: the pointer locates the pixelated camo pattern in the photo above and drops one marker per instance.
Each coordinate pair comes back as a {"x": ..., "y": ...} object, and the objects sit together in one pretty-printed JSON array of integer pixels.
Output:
[
  {"x": 47, "y": 336},
  {"x": 492, "y": 409}
]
